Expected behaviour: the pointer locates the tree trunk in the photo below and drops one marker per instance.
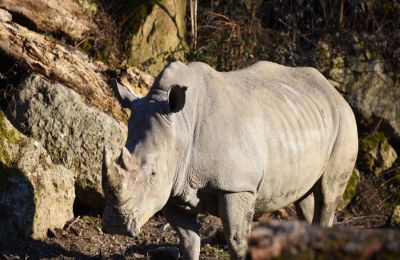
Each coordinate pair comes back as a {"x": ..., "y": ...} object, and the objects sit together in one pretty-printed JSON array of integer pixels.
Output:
[
  {"x": 54, "y": 16},
  {"x": 298, "y": 240}
]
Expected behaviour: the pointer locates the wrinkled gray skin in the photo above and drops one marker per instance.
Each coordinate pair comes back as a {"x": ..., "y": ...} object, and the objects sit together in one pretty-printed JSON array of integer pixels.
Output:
[{"x": 231, "y": 144}]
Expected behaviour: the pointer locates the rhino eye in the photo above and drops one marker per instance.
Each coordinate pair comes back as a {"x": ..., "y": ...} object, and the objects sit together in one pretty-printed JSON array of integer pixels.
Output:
[{"x": 152, "y": 179}]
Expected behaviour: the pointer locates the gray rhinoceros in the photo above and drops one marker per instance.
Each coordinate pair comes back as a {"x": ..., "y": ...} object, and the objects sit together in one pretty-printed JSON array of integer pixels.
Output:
[{"x": 232, "y": 144}]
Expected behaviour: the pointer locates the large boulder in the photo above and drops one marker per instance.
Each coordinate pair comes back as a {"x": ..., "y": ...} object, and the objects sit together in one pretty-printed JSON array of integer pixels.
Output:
[
  {"x": 35, "y": 194},
  {"x": 161, "y": 37},
  {"x": 73, "y": 133},
  {"x": 366, "y": 80}
]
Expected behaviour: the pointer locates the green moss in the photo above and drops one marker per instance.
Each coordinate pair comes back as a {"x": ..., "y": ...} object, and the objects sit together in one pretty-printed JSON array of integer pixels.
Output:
[
  {"x": 395, "y": 221},
  {"x": 88, "y": 6},
  {"x": 8, "y": 136},
  {"x": 99, "y": 51},
  {"x": 372, "y": 141},
  {"x": 351, "y": 188}
]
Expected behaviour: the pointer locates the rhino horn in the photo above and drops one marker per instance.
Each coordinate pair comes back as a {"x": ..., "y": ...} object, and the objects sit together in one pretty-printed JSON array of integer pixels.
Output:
[
  {"x": 128, "y": 161},
  {"x": 111, "y": 172}
]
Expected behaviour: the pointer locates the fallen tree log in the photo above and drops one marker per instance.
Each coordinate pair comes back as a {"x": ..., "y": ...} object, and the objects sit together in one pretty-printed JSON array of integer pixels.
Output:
[
  {"x": 72, "y": 68},
  {"x": 54, "y": 16},
  {"x": 298, "y": 240}
]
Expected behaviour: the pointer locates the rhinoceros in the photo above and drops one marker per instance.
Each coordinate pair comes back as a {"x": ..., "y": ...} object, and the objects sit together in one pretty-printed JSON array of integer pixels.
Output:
[{"x": 231, "y": 144}]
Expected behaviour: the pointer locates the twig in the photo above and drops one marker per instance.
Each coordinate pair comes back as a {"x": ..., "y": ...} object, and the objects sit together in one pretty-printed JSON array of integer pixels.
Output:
[
  {"x": 82, "y": 41},
  {"x": 72, "y": 222},
  {"x": 351, "y": 219},
  {"x": 391, "y": 179}
]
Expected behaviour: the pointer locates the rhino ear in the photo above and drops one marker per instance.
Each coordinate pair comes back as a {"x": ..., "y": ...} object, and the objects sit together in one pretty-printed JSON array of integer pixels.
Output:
[
  {"x": 176, "y": 98},
  {"x": 125, "y": 96}
]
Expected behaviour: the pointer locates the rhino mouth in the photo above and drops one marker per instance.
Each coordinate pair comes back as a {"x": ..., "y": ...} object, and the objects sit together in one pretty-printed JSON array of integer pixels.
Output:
[
  {"x": 124, "y": 229},
  {"x": 120, "y": 223}
]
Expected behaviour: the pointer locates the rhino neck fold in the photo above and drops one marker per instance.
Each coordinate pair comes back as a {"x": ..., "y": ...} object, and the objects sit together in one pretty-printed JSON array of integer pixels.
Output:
[
  {"x": 186, "y": 122},
  {"x": 183, "y": 148},
  {"x": 186, "y": 126}
]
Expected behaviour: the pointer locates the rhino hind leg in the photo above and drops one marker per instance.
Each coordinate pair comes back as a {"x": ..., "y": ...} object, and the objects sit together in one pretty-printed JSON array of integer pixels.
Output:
[
  {"x": 333, "y": 182},
  {"x": 305, "y": 207},
  {"x": 236, "y": 211}
]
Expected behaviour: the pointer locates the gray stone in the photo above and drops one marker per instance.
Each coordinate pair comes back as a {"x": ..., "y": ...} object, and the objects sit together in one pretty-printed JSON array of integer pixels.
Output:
[
  {"x": 35, "y": 194},
  {"x": 73, "y": 133},
  {"x": 5, "y": 16},
  {"x": 161, "y": 36},
  {"x": 369, "y": 87}
]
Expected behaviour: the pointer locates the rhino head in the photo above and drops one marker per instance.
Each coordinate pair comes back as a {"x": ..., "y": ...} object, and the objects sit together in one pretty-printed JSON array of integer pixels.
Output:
[{"x": 139, "y": 182}]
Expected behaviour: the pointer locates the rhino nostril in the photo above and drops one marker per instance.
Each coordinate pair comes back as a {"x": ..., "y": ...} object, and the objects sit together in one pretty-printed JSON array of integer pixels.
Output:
[
  {"x": 132, "y": 229},
  {"x": 131, "y": 233}
]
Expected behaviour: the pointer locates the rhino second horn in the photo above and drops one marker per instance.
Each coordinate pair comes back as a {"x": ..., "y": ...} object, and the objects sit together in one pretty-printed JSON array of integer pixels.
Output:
[{"x": 128, "y": 161}]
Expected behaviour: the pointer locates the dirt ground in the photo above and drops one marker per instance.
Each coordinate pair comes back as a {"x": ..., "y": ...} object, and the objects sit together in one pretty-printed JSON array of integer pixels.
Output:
[{"x": 82, "y": 238}]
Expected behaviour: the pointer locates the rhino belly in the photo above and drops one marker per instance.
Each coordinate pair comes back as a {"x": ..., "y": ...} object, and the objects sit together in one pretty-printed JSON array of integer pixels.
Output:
[{"x": 285, "y": 184}]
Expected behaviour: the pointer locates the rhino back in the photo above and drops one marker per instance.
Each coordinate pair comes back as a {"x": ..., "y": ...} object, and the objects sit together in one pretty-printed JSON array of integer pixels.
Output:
[{"x": 267, "y": 129}]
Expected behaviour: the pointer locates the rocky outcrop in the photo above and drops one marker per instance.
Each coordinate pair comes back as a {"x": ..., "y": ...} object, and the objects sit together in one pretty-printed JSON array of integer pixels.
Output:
[
  {"x": 367, "y": 82},
  {"x": 39, "y": 54},
  {"x": 161, "y": 37},
  {"x": 73, "y": 133},
  {"x": 35, "y": 194}
]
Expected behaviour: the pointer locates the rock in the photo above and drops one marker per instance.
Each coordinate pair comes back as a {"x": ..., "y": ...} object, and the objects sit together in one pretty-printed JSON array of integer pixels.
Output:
[
  {"x": 367, "y": 82},
  {"x": 73, "y": 133},
  {"x": 42, "y": 55},
  {"x": 35, "y": 194},
  {"x": 5, "y": 16},
  {"x": 161, "y": 37},
  {"x": 395, "y": 221},
  {"x": 373, "y": 93},
  {"x": 377, "y": 154}
]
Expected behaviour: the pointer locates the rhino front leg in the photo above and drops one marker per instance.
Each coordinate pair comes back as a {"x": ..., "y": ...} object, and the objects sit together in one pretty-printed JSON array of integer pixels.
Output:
[
  {"x": 236, "y": 211},
  {"x": 187, "y": 228}
]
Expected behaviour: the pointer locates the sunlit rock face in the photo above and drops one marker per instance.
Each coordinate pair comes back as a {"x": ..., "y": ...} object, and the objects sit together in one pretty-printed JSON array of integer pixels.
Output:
[
  {"x": 35, "y": 194},
  {"x": 73, "y": 133},
  {"x": 366, "y": 80},
  {"x": 161, "y": 38}
]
